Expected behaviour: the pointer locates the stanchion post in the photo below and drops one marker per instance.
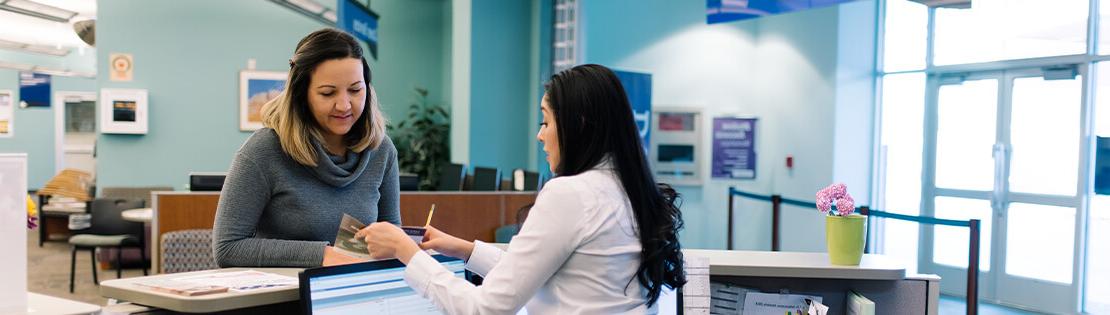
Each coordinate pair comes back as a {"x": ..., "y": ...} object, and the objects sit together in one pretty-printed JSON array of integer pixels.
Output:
[
  {"x": 973, "y": 269},
  {"x": 730, "y": 199},
  {"x": 776, "y": 205}
]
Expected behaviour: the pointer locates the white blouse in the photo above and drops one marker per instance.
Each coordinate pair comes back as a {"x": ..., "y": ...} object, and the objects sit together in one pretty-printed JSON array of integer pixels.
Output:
[{"x": 577, "y": 253}]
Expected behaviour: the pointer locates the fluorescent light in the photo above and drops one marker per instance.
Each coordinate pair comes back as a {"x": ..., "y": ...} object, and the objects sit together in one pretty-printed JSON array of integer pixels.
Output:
[
  {"x": 41, "y": 49},
  {"x": 308, "y": 5},
  {"x": 38, "y": 10},
  {"x": 330, "y": 15}
]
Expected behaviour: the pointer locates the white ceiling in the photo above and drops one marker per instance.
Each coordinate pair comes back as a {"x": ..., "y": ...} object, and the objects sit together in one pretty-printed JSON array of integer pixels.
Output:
[{"x": 26, "y": 29}]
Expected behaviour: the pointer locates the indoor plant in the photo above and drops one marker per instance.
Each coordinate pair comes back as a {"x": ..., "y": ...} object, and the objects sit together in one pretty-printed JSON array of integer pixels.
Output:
[
  {"x": 422, "y": 139},
  {"x": 843, "y": 229}
]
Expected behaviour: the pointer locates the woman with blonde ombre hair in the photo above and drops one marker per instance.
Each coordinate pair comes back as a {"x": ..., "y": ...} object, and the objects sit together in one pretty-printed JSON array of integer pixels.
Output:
[{"x": 323, "y": 153}]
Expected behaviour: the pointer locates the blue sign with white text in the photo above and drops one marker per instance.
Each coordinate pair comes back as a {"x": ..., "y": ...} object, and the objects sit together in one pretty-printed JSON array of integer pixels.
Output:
[
  {"x": 355, "y": 18},
  {"x": 638, "y": 88},
  {"x": 34, "y": 89},
  {"x": 720, "y": 11}
]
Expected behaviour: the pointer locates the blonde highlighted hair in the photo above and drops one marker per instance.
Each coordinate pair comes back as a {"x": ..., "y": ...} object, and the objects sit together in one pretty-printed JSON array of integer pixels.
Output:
[{"x": 290, "y": 115}]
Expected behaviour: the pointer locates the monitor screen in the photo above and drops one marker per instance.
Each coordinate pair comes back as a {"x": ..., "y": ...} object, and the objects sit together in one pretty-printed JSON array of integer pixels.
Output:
[{"x": 378, "y": 291}]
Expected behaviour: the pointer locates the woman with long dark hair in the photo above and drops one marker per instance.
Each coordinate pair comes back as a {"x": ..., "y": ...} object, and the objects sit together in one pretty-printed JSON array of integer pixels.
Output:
[{"x": 602, "y": 237}]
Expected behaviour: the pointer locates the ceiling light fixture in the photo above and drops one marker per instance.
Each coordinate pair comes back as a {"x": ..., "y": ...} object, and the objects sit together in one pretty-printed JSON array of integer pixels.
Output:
[
  {"x": 39, "y": 10},
  {"x": 38, "y": 49},
  {"x": 309, "y": 8}
]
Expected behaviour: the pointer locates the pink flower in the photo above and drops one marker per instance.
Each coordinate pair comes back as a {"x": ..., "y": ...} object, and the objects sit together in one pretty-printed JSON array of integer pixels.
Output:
[{"x": 836, "y": 193}]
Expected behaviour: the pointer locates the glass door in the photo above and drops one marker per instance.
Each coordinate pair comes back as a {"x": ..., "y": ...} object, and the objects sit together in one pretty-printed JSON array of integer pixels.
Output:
[{"x": 1007, "y": 150}]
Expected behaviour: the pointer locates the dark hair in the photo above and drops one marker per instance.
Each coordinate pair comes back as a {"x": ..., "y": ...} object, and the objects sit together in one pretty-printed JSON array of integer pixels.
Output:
[
  {"x": 595, "y": 122},
  {"x": 290, "y": 114}
]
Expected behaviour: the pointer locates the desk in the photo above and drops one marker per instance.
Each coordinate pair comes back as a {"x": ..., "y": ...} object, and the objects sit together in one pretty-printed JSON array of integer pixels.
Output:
[
  {"x": 879, "y": 278},
  {"x": 138, "y": 215},
  {"x": 45, "y": 304},
  {"x": 126, "y": 290}
]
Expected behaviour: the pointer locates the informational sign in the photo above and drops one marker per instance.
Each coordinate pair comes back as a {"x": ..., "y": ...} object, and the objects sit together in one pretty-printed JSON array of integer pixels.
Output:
[
  {"x": 720, "y": 11},
  {"x": 7, "y": 114},
  {"x": 638, "y": 88},
  {"x": 733, "y": 148},
  {"x": 355, "y": 18},
  {"x": 34, "y": 89},
  {"x": 123, "y": 66}
]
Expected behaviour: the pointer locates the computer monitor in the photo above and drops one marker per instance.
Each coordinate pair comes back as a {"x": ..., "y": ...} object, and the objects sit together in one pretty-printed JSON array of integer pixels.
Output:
[
  {"x": 379, "y": 287},
  {"x": 376, "y": 287}
]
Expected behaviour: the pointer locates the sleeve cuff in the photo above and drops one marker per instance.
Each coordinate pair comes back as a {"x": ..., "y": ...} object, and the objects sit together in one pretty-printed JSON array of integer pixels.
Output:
[
  {"x": 483, "y": 258},
  {"x": 420, "y": 271}
]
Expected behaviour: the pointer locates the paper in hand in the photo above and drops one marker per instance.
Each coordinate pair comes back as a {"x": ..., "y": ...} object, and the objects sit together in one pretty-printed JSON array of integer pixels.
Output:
[{"x": 345, "y": 240}]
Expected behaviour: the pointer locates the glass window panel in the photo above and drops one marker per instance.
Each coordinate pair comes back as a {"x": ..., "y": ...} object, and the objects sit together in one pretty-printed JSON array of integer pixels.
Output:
[
  {"x": 1040, "y": 242},
  {"x": 905, "y": 32},
  {"x": 950, "y": 242},
  {"x": 1010, "y": 29},
  {"x": 1044, "y": 135},
  {"x": 903, "y": 102},
  {"x": 966, "y": 119},
  {"x": 1098, "y": 256}
]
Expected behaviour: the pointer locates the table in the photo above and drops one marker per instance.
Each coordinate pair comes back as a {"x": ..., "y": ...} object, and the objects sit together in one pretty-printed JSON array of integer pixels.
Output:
[
  {"x": 45, "y": 304},
  {"x": 144, "y": 215}
]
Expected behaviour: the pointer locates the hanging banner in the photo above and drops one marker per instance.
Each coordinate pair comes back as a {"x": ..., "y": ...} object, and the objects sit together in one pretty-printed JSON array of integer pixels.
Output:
[
  {"x": 734, "y": 148},
  {"x": 34, "y": 89},
  {"x": 638, "y": 88},
  {"x": 358, "y": 20},
  {"x": 720, "y": 11}
]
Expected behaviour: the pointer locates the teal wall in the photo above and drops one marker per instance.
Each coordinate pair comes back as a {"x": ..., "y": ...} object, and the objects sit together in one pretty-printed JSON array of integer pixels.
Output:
[
  {"x": 188, "y": 55},
  {"x": 782, "y": 69},
  {"x": 501, "y": 81},
  {"x": 34, "y": 126}
]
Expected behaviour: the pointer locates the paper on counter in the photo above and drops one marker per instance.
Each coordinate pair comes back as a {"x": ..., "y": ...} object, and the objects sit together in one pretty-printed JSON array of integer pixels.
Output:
[{"x": 240, "y": 281}]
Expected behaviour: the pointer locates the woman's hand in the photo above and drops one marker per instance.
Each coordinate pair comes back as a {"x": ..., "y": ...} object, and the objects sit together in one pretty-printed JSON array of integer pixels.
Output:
[
  {"x": 333, "y": 257},
  {"x": 446, "y": 244},
  {"x": 385, "y": 240}
]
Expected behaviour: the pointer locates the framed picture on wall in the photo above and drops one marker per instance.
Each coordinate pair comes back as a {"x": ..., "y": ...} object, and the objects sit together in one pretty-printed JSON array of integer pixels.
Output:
[
  {"x": 7, "y": 114},
  {"x": 123, "y": 111},
  {"x": 256, "y": 88}
]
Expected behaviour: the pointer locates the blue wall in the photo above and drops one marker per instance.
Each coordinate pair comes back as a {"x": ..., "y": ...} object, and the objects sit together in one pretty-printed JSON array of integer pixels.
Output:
[
  {"x": 500, "y": 84},
  {"x": 34, "y": 126},
  {"x": 782, "y": 69},
  {"x": 188, "y": 55}
]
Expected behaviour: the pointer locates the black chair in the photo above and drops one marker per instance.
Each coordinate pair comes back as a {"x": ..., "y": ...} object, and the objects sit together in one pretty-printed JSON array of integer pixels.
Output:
[
  {"x": 451, "y": 177},
  {"x": 486, "y": 179},
  {"x": 107, "y": 229},
  {"x": 409, "y": 182},
  {"x": 525, "y": 180}
]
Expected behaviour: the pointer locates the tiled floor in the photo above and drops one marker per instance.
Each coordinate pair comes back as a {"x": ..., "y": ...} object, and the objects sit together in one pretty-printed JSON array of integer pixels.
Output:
[
  {"x": 48, "y": 272},
  {"x": 956, "y": 305}
]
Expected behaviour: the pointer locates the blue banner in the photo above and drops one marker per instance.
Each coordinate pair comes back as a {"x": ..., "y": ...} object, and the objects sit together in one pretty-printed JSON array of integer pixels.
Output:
[
  {"x": 638, "y": 87},
  {"x": 355, "y": 18},
  {"x": 34, "y": 89},
  {"x": 720, "y": 11}
]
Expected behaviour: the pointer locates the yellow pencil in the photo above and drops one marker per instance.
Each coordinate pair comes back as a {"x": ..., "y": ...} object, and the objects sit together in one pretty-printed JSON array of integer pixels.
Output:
[{"x": 430, "y": 213}]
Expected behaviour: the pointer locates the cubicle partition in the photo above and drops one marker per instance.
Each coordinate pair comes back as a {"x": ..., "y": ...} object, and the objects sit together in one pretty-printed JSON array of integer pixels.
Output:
[{"x": 468, "y": 215}]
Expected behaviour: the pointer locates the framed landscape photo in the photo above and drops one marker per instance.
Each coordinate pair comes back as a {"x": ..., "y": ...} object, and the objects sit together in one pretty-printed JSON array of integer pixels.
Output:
[
  {"x": 123, "y": 111},
  {"x": 256, "y": 88}
]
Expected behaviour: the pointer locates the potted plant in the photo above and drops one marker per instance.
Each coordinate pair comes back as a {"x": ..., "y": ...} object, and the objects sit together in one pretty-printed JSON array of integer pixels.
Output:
[
  {"x": 843, "y": 229},
  {"x": 422, "y": 140}
]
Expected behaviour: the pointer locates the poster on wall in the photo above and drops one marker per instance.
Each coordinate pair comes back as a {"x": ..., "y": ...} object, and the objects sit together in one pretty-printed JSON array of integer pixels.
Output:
[
  {"x": 355, "y": 18},
  {"x": 638, "y": 88},
  {"x": 123, "y": 67},
  {"x": 733, "y": 148},
  {"x": 123, "y": 111},
  {"x": 34, "y": 89},
  {"x": 256, "y": 88},
  {"x": 720, "y": 11},
  {"x": 7, "y": 114}
]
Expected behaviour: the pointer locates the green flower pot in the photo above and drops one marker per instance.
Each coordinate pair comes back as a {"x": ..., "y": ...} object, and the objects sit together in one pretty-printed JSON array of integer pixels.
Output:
[{"x": 844, "y": 237}]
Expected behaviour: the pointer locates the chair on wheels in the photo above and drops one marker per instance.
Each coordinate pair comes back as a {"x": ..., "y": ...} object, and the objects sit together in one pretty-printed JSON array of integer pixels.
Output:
[
  {"x": 486, "y": 179},
  {"x": 107, "y": 229},
  {"x": 451, "y": 177}
]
